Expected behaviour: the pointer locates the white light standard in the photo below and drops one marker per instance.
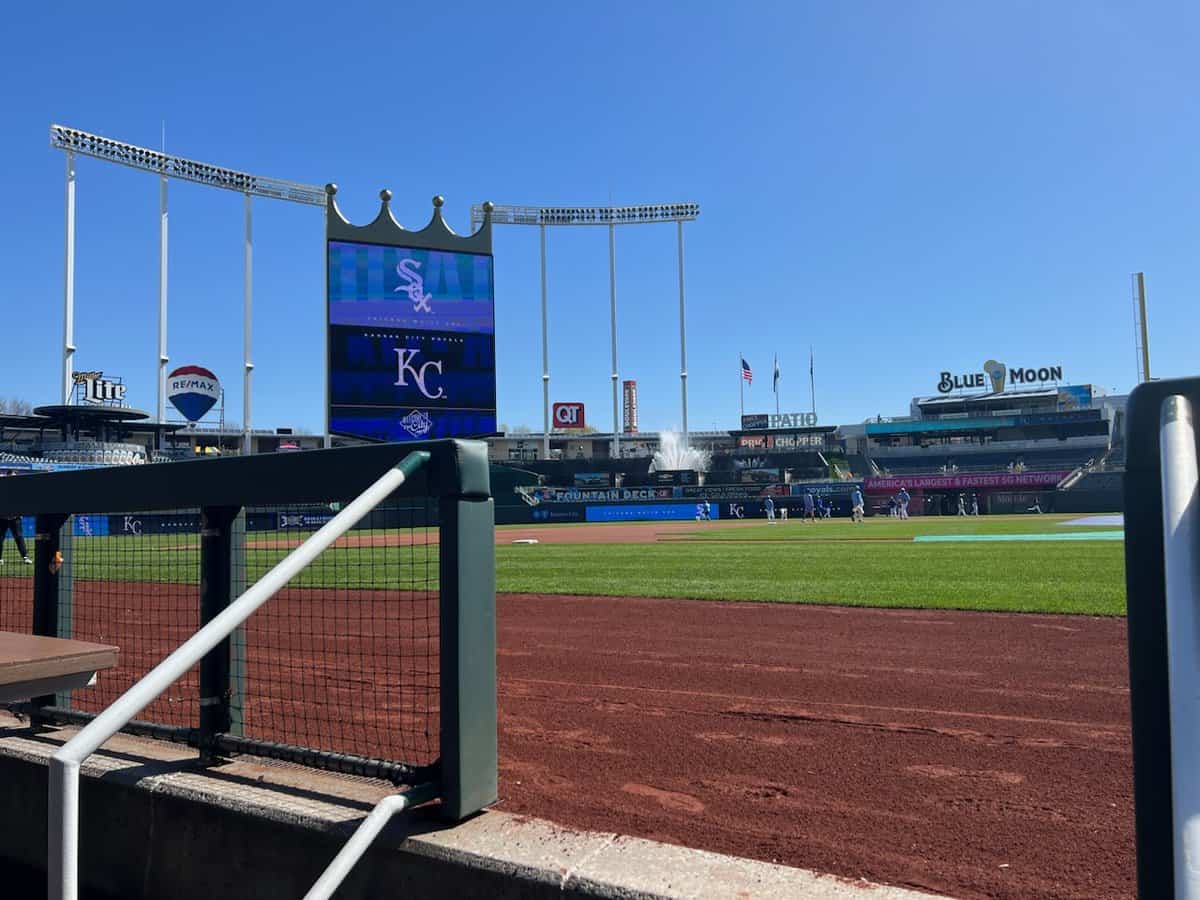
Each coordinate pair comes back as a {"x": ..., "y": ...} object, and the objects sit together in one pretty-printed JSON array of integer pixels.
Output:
[{"x": 611, "y": 216}]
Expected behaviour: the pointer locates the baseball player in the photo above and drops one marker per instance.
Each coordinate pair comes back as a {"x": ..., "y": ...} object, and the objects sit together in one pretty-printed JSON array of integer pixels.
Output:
[
  {"x": 856, "y": 506},
  {"x": 13, "y": 524},
  {"x": 770, "y": 507},
  {"x": 903, "y": 497}
]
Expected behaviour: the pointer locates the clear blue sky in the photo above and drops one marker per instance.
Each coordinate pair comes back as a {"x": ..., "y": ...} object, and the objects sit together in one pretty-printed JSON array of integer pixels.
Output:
[{"x": 907, "y": 186}]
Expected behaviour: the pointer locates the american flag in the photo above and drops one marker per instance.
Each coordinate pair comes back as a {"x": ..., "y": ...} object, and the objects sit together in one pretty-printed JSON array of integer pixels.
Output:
[{"x": 746, "y": 373}]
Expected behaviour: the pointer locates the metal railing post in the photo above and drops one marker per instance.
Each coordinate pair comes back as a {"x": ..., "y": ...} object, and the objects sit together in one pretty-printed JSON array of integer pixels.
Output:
[
  {"x": 1181, "y": 539},
  {"x": 216, "y": 582},
  {"x": 47, "y": 594},
  {"x": 467, "y": 608}
]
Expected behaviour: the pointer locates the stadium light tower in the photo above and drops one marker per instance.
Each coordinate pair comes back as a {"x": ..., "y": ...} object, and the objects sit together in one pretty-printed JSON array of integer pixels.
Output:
[
  {"x": 72, "y": 142},
  {"x": 1141, "y": 330},
  {"x": 612, "y": 216}
]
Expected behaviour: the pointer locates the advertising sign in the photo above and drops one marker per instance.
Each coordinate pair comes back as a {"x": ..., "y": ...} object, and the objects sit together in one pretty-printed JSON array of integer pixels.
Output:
[
  {"x": 412, "y": 351},
  {"x": 995, "y": 375},
  {"x": 954, "y": 482},
  {"x": 193, "y": 390},
  {"x": 568, "y": 415},
  {"x": 643, "y": 512},
  {"x": 93, "y": 388},
  {"x": 630, "y": 413},
  {"x": 802, "y": 441},
  {"x": 762, "y": 421},
  {"x": 598, "y": 495},
  {"x": 1075, "y": 396}
]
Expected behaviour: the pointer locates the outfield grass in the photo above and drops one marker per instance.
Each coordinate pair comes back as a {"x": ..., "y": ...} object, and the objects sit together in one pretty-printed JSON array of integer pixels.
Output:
[
  {"x": 874, "y": 564},
  {"x": 1043, "y": 577},
  {"x": 885, "y": 528}
]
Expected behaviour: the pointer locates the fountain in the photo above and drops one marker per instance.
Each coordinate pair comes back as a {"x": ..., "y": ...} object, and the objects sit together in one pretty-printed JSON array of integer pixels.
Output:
[{"x": 673, "y": 455}]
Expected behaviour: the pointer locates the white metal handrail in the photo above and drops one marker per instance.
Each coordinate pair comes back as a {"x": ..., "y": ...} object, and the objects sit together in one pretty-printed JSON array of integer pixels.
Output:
[
  {"x": 1181, "y": 534},
  {"x": 63, "y": 810}
]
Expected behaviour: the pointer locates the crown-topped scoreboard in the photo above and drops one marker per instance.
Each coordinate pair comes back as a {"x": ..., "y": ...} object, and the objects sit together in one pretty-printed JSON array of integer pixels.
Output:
[{"x": 411, "y": 328}]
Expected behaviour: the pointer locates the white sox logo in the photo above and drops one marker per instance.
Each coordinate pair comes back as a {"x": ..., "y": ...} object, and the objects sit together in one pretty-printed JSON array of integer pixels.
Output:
[
  {"x": 405, "y": 364},
  {"x": 415, "y": 287}
]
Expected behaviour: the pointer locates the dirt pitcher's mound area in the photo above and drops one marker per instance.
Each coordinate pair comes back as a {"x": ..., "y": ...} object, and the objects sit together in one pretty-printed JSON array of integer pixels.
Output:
[{"x": 973, "y": 754}]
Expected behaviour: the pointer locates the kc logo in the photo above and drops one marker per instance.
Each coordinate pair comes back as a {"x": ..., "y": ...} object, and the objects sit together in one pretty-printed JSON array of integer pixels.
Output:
[
  {"x": 405, "y": 365},
  {"x": 132, "y": 525},
  {"x": 568, "y": 415},
  {"x": 415, "y": 286}
]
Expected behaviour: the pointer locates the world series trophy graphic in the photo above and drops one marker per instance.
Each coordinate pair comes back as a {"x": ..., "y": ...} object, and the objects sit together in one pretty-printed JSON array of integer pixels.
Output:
[{"x": 997, "y": 372}]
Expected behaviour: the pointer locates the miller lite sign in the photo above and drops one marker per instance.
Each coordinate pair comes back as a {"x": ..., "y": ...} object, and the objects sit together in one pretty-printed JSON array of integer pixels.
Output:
[
  {"x": 95, "y": 389},
  {"x": 568, "y": 416}
]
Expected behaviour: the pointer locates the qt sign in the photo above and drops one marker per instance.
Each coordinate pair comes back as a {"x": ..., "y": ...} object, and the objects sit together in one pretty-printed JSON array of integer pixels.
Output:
[{"x": 568, "y": 415}]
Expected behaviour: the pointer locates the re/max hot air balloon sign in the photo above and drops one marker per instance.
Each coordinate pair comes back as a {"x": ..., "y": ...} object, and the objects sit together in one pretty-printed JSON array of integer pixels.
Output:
[{"x": 193, "y": 390}]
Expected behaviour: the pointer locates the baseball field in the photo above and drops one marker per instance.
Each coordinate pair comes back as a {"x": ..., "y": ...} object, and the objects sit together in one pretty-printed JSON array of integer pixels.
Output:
[{"x": 936, "y": 703}]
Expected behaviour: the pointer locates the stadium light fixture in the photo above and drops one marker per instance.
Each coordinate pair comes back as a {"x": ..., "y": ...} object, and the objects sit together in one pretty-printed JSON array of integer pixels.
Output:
[
  {"x": 72, "y": 140},
  {"x": 645, "y": 214},
  {"x": 587, "y": 215}
]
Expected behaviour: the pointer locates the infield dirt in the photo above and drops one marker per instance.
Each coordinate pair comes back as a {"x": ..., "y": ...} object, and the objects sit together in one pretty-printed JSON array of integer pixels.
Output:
[
  {"x": 973, "y": 754},
  {"x": 966, "y": 753}
]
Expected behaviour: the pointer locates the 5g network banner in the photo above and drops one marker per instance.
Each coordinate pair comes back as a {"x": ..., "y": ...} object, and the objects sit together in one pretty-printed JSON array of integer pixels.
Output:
[{"x": 412, "y": 349}]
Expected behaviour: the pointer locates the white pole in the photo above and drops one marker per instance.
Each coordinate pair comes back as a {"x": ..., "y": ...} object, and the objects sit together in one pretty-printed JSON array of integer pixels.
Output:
[
  {"x": 1181, "y": 535},
  {"x": 545, "y": 356},
  {"x": 247, "y": 297},
  {"x": 612, "y": 304},
  {"x": 683, "y": 338},
  {"x": 741, "y": 389},
  {"x": 162, "y": 300},
  {"x": 69, "y": 284},
  {"x": 360, "y": 842},
  {"x": 325, "y": 328}
]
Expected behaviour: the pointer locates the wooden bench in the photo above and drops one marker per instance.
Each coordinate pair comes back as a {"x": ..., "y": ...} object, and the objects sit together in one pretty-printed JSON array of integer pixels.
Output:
[{"x": 32, "y": 666}]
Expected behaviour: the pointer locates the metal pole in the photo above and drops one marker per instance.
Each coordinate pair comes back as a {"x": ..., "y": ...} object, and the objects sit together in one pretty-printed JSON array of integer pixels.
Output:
[
  {"x": 683, "y": 338},
  {"x": 360, "y": 842},
  {"x": 545, "y": 356},
  {"x": 612, "y": 304},
  {"x": 162, "y": 301},
  {"x": 1141, "y": 286},
  {"x": 247, "y": 298},
  {"x": 1181, "y": 532},
  {"x": 325, "y": 255},
  {"x": 812, "y": 380},
  {"x": 69, "y": 284}
]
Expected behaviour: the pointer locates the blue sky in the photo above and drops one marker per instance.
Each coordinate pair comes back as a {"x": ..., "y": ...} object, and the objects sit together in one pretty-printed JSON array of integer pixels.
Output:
[{"x": 909, "y": 187}]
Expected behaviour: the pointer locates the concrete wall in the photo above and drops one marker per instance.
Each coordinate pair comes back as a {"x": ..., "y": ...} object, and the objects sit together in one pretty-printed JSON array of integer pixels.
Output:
[{"x": 154, "y": 825}]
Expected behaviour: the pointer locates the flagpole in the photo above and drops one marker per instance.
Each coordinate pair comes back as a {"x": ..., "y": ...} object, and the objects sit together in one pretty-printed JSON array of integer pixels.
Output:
[
  {"x": 775, "y": 383},
  {"x": 741, "y": 390},
  {"x": 812, "y": 380}
]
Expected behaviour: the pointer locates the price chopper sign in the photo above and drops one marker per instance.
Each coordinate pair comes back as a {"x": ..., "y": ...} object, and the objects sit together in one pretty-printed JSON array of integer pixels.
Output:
[{"x": 995, "y": 374}]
